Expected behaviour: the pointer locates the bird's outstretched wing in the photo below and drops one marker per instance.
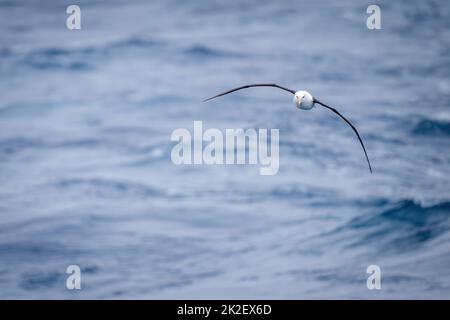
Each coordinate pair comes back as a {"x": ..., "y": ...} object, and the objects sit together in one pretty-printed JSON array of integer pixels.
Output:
[
  {"x": 354, "y": 129},
  {"x": 251, "y": 86}
]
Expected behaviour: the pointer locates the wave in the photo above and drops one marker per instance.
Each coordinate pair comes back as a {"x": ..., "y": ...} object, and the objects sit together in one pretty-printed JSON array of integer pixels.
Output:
[
  {"x": 110, "y": 188},
  {"x": 87, "y": 58},
  {"x": 39, "y": 281},
  {"x": 58, "y": 58},
  {"x": 201, "y": 52},
  {"x": 429, "y": 127},
  {"x": 84, "y": 58},
  {"x": 405, "y": 225}
]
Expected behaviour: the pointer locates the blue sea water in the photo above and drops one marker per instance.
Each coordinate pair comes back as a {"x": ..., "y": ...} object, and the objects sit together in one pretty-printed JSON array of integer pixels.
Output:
[{"x": 86, "y": 176}]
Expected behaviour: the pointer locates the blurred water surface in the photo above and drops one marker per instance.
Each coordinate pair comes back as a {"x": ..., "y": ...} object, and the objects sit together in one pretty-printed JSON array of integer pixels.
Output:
[{"x": 85, "y": 170}]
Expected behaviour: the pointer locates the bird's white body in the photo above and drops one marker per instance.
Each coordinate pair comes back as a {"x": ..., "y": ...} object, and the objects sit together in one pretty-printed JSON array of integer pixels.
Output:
[{"x": 303, "y": 100}]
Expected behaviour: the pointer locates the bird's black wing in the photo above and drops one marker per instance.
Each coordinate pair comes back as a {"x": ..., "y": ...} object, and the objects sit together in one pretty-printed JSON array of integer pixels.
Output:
[
  {"x": 354, "y": 129},
  {"x": 251, "y": 86}
]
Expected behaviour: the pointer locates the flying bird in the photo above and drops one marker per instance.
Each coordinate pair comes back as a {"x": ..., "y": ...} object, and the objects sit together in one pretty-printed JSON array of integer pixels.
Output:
[{"x": 302, "y": 100}]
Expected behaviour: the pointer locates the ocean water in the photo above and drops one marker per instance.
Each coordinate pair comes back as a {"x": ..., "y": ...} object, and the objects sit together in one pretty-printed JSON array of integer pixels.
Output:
[{"x": 86, "y": 176}]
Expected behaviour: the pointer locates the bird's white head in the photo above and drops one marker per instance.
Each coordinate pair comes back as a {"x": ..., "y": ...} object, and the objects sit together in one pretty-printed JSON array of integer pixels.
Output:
[{"x": 303, "y": 100}]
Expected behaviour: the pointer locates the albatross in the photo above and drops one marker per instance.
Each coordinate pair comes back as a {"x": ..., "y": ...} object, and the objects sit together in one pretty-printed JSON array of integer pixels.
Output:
[{"x": 303, "y": 100}]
